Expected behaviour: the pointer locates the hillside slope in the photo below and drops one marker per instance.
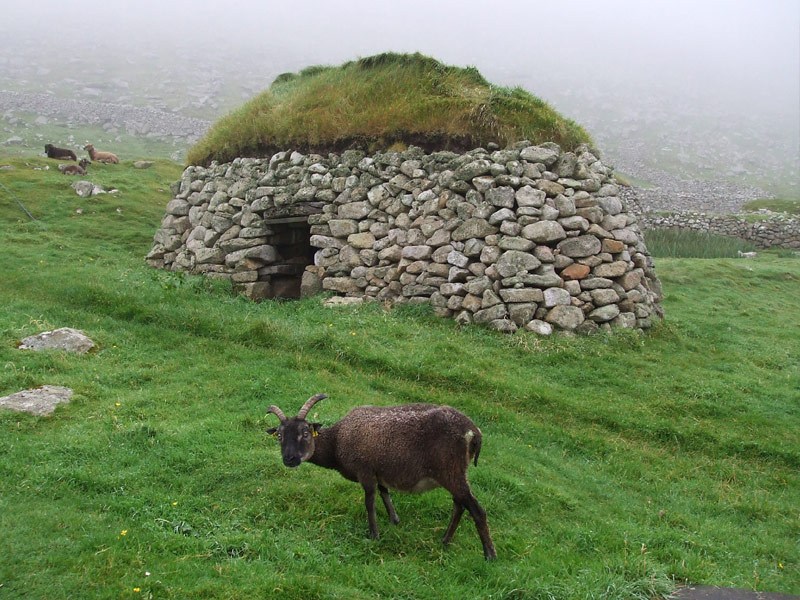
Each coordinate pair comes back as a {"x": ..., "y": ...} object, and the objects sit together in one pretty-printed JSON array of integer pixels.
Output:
[{"x": 613, "y": 466}]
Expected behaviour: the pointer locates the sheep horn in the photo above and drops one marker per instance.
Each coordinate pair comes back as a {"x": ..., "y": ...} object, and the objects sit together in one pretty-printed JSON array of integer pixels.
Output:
[
  {"x": 277, "y": 411},
  {"x": 309, "y": 403}
]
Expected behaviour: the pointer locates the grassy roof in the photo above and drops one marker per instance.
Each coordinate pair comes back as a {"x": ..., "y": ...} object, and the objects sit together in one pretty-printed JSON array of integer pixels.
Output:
[{"x": 380, "y": 101}]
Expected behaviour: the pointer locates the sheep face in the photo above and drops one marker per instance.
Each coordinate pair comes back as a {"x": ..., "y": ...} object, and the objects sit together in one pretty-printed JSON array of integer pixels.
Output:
[{"x": 296, "y": 437}]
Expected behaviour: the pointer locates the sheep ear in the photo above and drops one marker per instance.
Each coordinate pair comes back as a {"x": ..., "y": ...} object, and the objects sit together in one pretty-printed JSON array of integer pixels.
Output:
[
  {"x": 273, "y": 431},
  {"x": 315, "y": 427}
]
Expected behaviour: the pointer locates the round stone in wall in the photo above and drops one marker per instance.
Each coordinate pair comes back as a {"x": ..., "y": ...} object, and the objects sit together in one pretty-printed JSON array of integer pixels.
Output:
[
  {"x": 66, "y": 338},
  {"x": 39, "y": 401}
]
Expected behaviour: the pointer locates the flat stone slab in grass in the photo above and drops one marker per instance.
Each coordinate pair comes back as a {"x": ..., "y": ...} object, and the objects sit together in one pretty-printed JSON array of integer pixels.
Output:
[
  {"x": 712, "y": 592},
  {"x": 66, "y": 338},
  {"x": 39, "y": 401},
  {"x": 342, "y": 301}
]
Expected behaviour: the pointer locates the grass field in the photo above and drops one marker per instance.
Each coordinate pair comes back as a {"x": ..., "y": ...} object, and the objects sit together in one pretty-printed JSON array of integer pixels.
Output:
[{"x": 616, "y": 466}]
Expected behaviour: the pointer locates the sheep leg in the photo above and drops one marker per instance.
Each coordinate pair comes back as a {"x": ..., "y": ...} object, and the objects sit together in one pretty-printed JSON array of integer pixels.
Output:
[
  {"x": 387, "y": 502},
  {"x": 463, "y": 495},
  {"x": 458, "y": 510},
  {"x": 479, "y": 516},
  {"x": 369, "y": 500}
]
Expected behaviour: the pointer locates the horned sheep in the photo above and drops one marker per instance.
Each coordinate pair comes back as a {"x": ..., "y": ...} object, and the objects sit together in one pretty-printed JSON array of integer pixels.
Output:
[{"x": 410, "y": 448}]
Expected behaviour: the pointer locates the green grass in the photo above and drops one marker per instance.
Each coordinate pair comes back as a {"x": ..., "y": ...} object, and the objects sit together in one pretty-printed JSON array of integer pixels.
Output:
[
  {"x": 687, "y": 243},
  {"x": 614, "y": 466},
  {"x": 791, "y": 207},
  {"x": 380, "y": 101}
]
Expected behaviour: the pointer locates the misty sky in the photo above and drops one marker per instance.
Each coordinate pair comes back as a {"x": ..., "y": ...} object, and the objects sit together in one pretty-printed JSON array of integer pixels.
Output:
[
  {"x": 739, "y": 55},
  {"x": 747, "y": 45}
]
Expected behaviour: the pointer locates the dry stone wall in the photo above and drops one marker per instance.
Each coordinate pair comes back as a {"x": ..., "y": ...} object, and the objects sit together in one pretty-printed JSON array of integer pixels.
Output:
[
  {"x": 767, "y": 230},
  {"x": 527, "y": 236}
]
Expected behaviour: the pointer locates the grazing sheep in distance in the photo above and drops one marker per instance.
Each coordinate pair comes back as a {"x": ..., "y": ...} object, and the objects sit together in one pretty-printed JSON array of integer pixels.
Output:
[
  {"x": 411, "y": 448},
  {"x": 79, "y": 169},
  {"x": 59, "y": 153},
  {"x": 103, "y": 157}
]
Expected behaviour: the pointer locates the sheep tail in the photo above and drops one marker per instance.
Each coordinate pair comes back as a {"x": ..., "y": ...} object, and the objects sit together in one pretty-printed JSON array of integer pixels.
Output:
[{"x": 475, "y": 446}]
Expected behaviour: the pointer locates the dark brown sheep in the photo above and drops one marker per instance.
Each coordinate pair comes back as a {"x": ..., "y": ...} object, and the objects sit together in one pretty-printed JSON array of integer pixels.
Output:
[
  {"x": 410, "y": 448},
  {"x": 59, "y": 153},
  {"x": 79, "y": 169},
  {"x": 103, "y": 157}
]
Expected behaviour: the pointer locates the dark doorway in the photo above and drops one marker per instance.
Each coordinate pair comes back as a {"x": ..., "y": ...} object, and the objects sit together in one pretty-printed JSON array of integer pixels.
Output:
[{"x": 291, "y": 238}]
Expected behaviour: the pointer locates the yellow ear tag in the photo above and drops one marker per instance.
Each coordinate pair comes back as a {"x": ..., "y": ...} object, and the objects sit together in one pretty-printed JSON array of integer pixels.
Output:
[
  {"x": 275, "y": 434},
  {"x": 314, "y": 433}
]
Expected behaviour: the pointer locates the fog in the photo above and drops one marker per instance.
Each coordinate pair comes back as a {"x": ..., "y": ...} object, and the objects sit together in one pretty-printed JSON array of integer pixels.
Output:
[{"x": 714, "y": 82}]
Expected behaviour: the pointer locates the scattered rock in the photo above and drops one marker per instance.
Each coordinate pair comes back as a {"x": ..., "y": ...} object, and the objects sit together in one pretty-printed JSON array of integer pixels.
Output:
[
  {"x": 83, "y": 188},
  {"x": 66, "y": 338},
  {"x": 39, "y": 401},
  {"x": 138, "y": 120},
  {"x": 143, "y": 164}
]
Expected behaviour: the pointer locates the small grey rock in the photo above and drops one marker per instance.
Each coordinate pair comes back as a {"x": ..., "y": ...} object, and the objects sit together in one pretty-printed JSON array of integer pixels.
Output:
[
  {"x": 65, "y": 338},
  {"x": 39, "y": 401},
  {"x": 84, "y": 189},
  {"x": 539, "y": 327}
]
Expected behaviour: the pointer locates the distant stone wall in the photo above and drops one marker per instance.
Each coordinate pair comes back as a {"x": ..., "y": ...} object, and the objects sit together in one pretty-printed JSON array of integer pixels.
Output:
[
  {"x": 529, "y": 236},
  {"x": 770, "y": 230}
]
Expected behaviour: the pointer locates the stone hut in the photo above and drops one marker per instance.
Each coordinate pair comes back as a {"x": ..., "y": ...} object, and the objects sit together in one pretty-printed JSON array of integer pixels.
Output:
[{"x": 528, "y": 236}]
